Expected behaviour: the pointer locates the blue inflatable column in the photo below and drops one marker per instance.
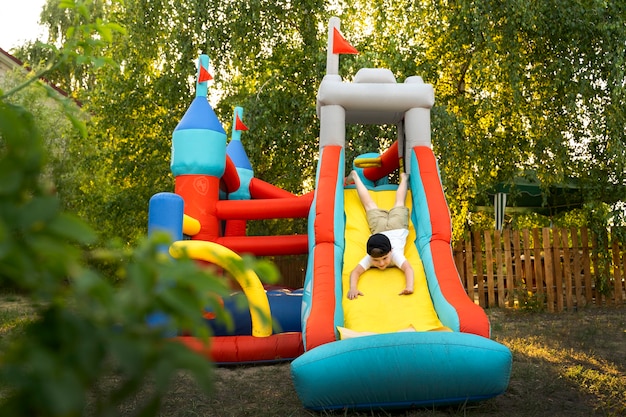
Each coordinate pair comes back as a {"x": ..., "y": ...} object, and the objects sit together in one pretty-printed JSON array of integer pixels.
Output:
[{"x": 165, "y": 214}]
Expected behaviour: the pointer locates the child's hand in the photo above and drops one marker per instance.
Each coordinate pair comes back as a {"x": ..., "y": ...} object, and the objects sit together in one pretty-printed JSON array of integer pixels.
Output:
[
  {"x": 406, "y": 291},
  {"x": 352, "y": 294}
]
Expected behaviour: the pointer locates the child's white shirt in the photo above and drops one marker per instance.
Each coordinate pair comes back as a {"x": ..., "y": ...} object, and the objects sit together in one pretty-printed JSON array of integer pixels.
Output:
[{"x": 397, "y": 237}]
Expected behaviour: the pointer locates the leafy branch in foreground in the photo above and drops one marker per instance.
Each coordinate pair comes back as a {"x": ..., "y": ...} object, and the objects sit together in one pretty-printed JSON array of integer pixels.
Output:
[{"x": 87, "y": 328}]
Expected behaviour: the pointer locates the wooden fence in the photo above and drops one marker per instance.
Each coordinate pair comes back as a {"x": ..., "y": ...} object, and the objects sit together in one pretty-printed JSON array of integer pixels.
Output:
[
  {"x": 553, "y": 268},
  {"x": 292, "y": 270}
]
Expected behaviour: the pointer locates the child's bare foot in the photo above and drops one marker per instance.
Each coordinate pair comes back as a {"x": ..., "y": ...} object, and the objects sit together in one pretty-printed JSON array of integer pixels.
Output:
[
  {"x": 406, "y": 291},
  {"x": 351, "y": 178}
]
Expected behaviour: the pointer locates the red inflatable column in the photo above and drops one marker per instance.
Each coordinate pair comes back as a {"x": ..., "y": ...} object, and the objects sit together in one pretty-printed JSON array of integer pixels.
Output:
[
  {"x": 320, "y": 325},
  {"x": 201, "y": 193}
]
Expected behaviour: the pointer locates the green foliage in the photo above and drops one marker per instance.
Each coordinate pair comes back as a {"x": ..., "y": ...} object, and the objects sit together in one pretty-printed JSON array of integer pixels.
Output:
[
  {"x": 530, "y": 301},
  {"x": 514, "y": 92},
  {"x": 60, "y": 137},
  {"x": 85, "y": 329}
]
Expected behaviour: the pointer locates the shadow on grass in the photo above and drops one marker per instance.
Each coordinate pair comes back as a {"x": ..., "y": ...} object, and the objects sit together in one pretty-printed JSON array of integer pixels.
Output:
[{"x": 564, "y": 364}]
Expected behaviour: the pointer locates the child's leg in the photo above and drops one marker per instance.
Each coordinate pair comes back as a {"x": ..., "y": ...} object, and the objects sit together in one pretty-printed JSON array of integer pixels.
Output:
[
  {"x": 402, "y": 190},
  {"x": 364, "y": 195}
]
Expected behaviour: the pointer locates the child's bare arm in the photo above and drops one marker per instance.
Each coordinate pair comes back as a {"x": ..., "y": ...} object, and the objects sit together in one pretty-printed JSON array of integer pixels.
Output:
[
  {"x": 354, "y": 282},
  {"x": 408, "y": 274}
]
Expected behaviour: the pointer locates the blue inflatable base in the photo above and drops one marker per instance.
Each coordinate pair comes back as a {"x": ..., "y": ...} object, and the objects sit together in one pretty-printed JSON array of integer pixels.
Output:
[
  {"x": 285, "y": 306},
  {"x": 401, "y": 370}
]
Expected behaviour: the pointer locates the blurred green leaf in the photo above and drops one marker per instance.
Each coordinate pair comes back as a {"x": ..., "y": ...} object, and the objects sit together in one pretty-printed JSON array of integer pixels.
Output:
[{"x": 72, "y": 229}]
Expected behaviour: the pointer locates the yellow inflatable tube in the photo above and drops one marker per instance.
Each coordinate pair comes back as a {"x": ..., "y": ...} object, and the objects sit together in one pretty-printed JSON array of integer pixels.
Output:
[
  {"x": 247, "y": 279},
  {"x": 374, "y": 162},
  {"x": 191, "y": 226}
]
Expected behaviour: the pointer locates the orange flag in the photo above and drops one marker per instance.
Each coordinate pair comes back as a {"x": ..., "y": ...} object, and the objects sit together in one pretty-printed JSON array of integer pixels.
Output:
[
  {"x": 239, "y": 124},
  {"x": 204, "y": 75},
  {"x": 340, "y": 45}
]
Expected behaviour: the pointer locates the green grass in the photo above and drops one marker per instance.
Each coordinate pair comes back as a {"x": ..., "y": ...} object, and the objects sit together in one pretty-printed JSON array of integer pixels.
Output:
[
  {"x": 565, "y": 364},
  {"x": 15, "y": 311}
]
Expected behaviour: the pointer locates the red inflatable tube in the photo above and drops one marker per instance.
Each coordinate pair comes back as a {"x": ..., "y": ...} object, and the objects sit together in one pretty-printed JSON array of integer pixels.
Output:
[
  {"x": 231, "y": 177},
  {"x": 235, "y": 228},
  {"x": 472, "y": 317},
  {"x": 320, "y": 325},
  {"x": 260, "y": 189},
  {"x": 225, "y": 350},
  {"x": 390, "y": 161},
  {"x": 278, "y": 208},
  {"x": 267, "y": 245}
]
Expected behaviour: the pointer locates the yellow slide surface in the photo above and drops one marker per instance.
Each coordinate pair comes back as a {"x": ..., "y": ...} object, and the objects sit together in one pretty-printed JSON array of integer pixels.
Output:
[{"x": 381, "y": 309}]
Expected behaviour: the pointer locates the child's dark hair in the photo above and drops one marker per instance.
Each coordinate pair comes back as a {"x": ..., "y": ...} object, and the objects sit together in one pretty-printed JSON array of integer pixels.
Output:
[
  {"x": 378, "y": 245},
  {"x": 377, "y": 253}
]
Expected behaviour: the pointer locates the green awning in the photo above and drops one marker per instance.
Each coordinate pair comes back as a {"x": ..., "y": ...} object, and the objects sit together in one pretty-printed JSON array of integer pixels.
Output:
[{"x": 525, "y": 194}]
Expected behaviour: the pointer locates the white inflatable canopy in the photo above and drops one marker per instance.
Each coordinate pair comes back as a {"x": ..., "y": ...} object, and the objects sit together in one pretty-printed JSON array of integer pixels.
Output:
[{"x": 374, "y": 97}]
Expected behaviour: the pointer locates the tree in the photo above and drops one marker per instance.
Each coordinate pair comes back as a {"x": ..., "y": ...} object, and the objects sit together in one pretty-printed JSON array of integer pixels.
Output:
[
  {"x": 136, "y": 106},
  {"x": 534, "y": 93},
  {"x": 59, "y": 133},
  {"x": 514, "y": 91},
  {"x": 84, "y": 329}
]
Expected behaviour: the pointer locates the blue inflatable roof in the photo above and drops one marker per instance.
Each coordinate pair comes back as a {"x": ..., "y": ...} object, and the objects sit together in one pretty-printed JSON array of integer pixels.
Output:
[
  {"x": 200, "y": 115},
  {"x": 238, "y": 154}
]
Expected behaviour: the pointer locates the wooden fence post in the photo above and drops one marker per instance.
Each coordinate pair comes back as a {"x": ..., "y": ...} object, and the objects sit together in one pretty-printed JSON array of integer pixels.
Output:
[
  {"x": 623, "y": 266},
  {"x": 599, "y": 297},
  {"x": 500, "y": 284},
  {"x": 549, "y": 274},
  {"x": 539, "y": 261},
  {"x": 528, "y": 262},
  {"x": 577, "y": 267},
  {"x": 617, "y": 276},
  {"x": 508, "y": 261},
  {"x": 470, "y": 278},
  {"x": 519, "y": 267},
  {"x": 557, "y": 257},
  {"x": 491, "y": 296},
  {"x": 567, "y": 270},
  {"x": 480, "y": 275},
  {"x": 584, "y": 237},
  {"x": 458, "y": 255}
]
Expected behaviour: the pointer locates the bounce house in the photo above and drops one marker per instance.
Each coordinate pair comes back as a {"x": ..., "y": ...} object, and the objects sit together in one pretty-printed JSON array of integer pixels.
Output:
[
  {"x": 216, "y": 193},
  {"x": 381, "y": 350}
]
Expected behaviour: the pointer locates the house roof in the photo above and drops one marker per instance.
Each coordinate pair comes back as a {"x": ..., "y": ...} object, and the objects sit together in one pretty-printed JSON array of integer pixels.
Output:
[{"x": 8, "y": 62}]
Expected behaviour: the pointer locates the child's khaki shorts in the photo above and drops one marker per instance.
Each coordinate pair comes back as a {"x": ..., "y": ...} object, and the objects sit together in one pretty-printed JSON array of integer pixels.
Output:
[{"x": 380, "y": 220}]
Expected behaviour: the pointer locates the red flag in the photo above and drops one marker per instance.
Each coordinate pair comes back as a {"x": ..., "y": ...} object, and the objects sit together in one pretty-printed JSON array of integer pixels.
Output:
[
  {"x": 340, "y": 45},
  {"x": 239, "y": 124},
  {"x": 204, "y": 75}
]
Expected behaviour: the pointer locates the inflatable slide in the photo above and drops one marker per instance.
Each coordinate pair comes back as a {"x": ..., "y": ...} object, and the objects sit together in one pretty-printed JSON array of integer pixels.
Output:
[{"x": 382, "y": 350}]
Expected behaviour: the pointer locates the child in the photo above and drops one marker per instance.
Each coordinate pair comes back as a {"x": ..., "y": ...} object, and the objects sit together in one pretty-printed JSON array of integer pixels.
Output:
[{"x": 385, "y": 247}]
